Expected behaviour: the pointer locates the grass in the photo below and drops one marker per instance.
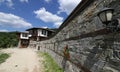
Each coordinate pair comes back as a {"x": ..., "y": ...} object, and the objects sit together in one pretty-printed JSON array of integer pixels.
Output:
[
  {"x": 49, "y": 63},
  {"x": 3, "y": 57}
]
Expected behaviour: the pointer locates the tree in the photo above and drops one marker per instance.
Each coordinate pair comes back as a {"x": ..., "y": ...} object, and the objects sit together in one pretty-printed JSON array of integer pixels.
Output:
[{"x": 8, "y": 39}]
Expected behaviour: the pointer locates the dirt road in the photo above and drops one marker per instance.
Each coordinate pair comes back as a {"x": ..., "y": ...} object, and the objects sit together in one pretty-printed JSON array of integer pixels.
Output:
[{"x": 22, "y": 60}]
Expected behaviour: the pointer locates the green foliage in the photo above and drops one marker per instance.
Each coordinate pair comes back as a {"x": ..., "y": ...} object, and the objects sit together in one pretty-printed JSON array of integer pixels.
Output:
[
  {"x": 49, "y": 63},
  {"x": 8, "y": 39},
  {"x": 3, "y": 57}
]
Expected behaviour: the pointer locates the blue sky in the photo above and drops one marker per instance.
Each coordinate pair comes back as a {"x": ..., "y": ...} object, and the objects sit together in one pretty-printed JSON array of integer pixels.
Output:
[{"x": 19, "y": 15}]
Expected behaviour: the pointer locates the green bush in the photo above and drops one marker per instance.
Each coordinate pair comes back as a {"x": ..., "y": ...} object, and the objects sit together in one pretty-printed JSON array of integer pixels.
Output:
[
  {"x": 8, "y": 39},
  {"x": 3, "y": 57},
  {"x": 49, "y": 63}
]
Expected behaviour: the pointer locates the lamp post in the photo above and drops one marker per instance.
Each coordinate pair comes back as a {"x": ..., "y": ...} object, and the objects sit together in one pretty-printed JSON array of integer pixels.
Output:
[{"x": 106, "y": 17}]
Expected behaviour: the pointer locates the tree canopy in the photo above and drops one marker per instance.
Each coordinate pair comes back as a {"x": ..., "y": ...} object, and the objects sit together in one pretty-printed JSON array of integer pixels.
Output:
[{"x": 8, "y": 39}]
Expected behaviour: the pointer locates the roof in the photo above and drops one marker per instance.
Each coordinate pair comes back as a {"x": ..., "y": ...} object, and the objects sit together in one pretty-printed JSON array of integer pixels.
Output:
[
  {"x": 23, "y": 32},
  {"x": 35, "y": 28}
]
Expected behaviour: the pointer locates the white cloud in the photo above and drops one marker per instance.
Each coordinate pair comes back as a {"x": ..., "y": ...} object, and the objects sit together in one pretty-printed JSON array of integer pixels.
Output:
[
  {"x": 9, "y": 3},
  {"x": 48, "y": 17},
  {"x": 24, "y": 1},
  {"x": 47, "y": 1},
  {"x": 11, "y": 20},
  {"x": 4, "y": 30},
  {"x": 67, "y": 6},
  {"x": 57, "y": 24}
]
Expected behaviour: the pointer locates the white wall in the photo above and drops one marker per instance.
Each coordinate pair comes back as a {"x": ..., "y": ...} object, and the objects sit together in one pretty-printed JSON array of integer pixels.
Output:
[
  {"x": 40, "y": 33},
  {"x": 21, "y": 36}
]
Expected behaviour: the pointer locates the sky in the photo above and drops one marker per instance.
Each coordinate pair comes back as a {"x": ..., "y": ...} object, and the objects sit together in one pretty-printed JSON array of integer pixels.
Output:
[{"x": 19, "y": 15}]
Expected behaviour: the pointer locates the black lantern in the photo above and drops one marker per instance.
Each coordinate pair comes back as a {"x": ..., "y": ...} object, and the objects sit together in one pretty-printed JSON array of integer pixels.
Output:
[{"x": 106, "y": 16}]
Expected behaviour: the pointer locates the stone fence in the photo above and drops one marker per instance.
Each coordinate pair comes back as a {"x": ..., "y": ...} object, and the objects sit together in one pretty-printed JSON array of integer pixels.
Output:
[{"x": 82, "y": 43}]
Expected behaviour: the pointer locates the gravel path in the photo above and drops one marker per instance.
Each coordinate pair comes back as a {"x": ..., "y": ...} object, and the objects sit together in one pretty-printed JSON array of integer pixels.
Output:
[{"x": 22, "y": 60}]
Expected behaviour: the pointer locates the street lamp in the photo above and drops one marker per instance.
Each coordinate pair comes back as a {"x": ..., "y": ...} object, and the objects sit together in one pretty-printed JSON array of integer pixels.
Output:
[{"x": 106, "y": 16}]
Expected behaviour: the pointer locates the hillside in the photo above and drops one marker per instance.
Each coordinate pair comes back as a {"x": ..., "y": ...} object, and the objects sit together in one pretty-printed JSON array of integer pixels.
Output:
[{"x": 8, "y": 39}]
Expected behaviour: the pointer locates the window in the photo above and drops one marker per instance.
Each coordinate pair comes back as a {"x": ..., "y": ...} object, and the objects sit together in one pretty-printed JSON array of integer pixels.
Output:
[
  {"x": 30, "y": 31},
  {"x": 44, "y": 32},
  {"x": 24, "y": 35}
]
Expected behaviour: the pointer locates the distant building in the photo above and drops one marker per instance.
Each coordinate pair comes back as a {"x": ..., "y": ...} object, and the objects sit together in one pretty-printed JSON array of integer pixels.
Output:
[
  {"x": 32, "y": 35},
  {"x": 23, "y": 38},
  {"x": 38, "y": 34}
]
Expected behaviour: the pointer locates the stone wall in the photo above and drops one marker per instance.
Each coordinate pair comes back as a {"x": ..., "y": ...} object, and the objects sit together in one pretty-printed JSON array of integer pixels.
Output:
[{"x": 92, "y": 48}]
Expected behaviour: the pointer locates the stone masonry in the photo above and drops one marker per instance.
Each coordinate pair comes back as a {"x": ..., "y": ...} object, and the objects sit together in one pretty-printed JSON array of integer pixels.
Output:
[{"x": 92, "y": 48}]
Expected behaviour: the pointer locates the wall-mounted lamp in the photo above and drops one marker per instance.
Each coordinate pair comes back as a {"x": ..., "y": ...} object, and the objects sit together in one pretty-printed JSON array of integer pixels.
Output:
[{"x": 106, "y": 16}]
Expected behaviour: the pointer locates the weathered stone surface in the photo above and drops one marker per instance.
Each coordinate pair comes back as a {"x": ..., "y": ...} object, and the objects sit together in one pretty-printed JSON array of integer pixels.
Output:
[{"x": 96, "y": 53}]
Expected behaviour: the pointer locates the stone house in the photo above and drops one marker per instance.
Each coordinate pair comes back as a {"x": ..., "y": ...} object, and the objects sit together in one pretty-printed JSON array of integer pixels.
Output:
[
  {"x": 38, "y": 34},
  {"x": 23, "y": 38},
  {"x": 32, "y": 35}
]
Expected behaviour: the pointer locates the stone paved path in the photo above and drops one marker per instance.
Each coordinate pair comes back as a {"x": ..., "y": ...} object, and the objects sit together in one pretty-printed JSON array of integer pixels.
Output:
[{"x": 22, "y": 60}]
